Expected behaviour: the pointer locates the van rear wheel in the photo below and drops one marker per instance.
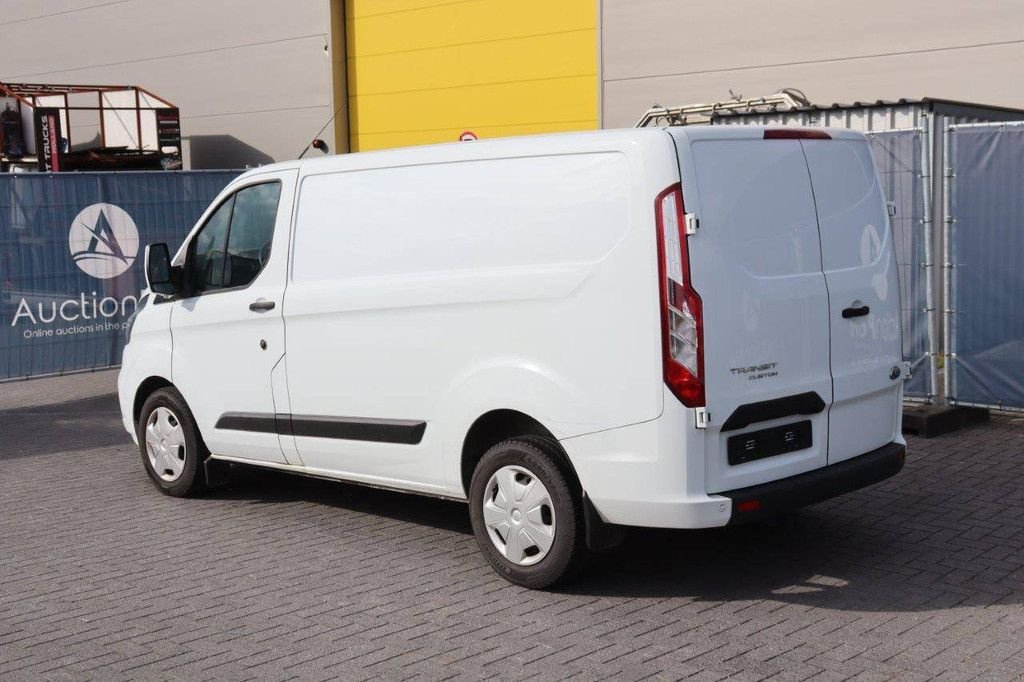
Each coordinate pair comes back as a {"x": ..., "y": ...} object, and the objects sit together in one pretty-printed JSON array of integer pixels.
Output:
[
  {"x": 171, "y": 447},
  {"x": 526, "y": 515}
]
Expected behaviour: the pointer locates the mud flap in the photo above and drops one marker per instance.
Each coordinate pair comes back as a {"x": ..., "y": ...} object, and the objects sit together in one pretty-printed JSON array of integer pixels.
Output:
[
  {"x": 600, "y": 534},
  {"x": 217, "y": 472}
]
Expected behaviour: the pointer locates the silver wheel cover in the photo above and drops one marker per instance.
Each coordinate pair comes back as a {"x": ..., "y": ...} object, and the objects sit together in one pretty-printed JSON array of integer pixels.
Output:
[
  {"x": 165, "y": 444},
  {"x": 519, "y": 515}
]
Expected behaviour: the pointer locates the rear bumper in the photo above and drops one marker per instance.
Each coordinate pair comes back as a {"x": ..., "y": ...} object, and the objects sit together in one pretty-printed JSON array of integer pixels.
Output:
[{"x": 767, "y": 499}]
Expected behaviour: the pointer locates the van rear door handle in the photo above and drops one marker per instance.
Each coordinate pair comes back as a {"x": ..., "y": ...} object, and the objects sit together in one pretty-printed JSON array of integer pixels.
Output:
[
  {"x": 855, "y": 312},
  {"x": 261, "y": 304}
]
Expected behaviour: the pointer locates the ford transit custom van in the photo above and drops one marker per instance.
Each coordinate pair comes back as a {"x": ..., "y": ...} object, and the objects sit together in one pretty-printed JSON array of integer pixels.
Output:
[{"x": 679, "y": 328}]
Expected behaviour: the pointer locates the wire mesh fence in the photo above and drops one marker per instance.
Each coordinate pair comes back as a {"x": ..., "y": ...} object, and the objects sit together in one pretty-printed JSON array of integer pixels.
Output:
[{"x": 902, "y": 160}]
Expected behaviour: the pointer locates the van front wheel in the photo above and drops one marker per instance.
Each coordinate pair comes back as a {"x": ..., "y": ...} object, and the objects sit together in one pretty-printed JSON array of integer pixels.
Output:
[
  {"x": 172, "y": 450},
  {"x": 527, "y": 518}
]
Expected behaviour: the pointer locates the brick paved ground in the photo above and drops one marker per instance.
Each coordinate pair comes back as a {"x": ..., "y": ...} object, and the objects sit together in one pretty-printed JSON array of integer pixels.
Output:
[{"x": 278, "y": 577}]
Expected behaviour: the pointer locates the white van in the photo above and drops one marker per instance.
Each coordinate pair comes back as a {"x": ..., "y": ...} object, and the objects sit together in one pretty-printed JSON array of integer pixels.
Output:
[{"x": 679, "y": 328}]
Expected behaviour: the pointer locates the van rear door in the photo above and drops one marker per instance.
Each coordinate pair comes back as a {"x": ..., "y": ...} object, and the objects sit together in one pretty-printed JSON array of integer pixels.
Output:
[
  {"x": 756, "y": 264},
  {"x": 860, "y": 269}
]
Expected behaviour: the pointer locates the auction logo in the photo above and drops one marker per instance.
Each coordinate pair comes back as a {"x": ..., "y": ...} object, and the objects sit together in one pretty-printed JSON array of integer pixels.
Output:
[{"x": 104, "y": 241}]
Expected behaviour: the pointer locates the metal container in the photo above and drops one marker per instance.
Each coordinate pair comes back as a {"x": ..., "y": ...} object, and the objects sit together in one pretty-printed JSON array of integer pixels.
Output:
[{"x": 872, "y": 116}]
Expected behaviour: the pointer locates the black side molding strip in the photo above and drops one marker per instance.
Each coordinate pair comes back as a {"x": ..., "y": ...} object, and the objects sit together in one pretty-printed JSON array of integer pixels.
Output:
[
  {"x": 402, "y": 431},
  {"x": 247, "y": 421},
  {"x": 408, "y": 432},
  {"x": 776, "y": 408}
]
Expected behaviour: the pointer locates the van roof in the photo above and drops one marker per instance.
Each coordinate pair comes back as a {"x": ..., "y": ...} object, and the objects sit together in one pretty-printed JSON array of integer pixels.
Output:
[{"x": 525, "y": 145}]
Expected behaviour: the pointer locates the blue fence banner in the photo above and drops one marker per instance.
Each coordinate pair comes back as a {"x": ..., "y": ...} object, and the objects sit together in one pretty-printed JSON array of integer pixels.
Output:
[
  {"x": 71, "y": 249},
  {"x": 986, "y": 234}
]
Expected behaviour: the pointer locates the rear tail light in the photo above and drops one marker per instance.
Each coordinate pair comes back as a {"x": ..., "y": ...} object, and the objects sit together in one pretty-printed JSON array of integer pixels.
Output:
[{"x": 682, "y": 327}]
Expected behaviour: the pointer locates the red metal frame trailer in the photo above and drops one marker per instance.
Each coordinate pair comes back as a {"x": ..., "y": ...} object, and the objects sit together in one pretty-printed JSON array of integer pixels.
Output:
[{"x": 53, "y": 127}]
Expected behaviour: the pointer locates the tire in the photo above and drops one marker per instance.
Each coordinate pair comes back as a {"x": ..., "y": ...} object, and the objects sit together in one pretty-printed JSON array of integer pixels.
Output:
[
  {"x": 176, "y": 464},
  {"x": 551, "y": 515}
]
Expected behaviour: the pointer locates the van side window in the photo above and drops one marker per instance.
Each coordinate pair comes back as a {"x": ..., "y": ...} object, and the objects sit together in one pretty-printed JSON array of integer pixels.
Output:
[
  {"x": 206, "y": 269},
  {"x": 234, "y": 244},
  {"x": 251, "y": 233}
]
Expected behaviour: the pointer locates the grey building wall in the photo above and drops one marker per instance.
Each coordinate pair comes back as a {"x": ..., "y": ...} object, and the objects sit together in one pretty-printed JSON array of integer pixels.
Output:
[
  {"x": 673, "y": 52},
  {"x": 252, "y": 78}
]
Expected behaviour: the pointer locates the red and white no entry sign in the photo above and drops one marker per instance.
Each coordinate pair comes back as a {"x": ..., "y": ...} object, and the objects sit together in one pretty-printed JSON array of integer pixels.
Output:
[{"x": 467, "y": 136}]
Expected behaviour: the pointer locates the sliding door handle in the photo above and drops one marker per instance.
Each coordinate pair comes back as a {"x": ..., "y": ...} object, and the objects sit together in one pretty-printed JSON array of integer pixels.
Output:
[
  {"x": 855, "y": 312},
  {"x": 261, "y": 304}
]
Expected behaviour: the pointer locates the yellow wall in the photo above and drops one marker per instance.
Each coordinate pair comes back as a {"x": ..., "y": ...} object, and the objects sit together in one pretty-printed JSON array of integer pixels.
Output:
[{"x": 422, "y": 71}]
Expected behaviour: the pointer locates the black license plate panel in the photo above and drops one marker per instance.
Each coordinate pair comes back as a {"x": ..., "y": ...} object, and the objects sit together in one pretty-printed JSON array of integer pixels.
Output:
[{"x": 778, "y": 440}]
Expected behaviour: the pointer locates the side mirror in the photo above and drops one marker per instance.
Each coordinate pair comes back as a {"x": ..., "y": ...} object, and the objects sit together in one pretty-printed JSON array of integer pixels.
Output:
[{"x": 159, "y": 274}]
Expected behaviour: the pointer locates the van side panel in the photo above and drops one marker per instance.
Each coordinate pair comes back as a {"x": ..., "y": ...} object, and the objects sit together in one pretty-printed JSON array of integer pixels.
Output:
[
  {"x": 440, "y": 291},
  {"x": 461, "y": 217}
]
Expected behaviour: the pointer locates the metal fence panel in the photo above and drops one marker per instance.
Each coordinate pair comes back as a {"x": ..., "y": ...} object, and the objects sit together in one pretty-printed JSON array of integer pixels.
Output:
[
  {"x": 71, "y": 247},
  {"x": 900, "y": 156},
  {"x": 985, "y": 233}
]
